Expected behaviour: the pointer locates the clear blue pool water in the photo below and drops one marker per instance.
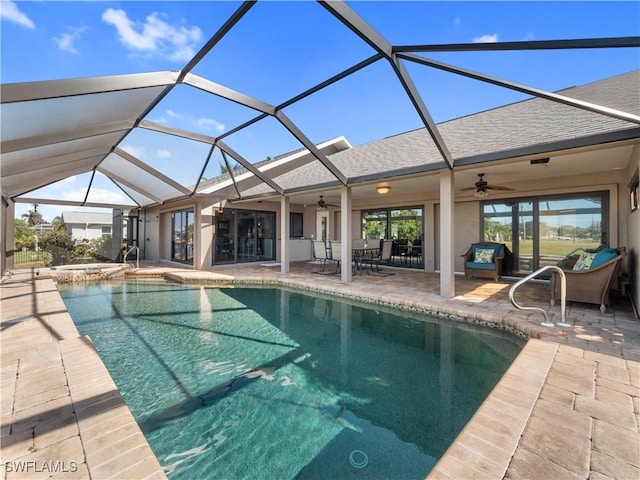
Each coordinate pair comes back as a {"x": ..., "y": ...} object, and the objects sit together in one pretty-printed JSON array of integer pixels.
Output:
[{"x": 276, "y": 384}]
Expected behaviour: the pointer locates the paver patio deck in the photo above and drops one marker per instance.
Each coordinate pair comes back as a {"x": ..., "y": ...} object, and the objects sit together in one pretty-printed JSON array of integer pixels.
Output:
[{"x": 568, "y": 407}]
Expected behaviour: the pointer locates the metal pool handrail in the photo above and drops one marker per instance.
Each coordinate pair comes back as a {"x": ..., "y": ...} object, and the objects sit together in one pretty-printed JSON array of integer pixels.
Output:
[
  {"x": 563, "y": 295},
  {"x": 137, "y": 256}
]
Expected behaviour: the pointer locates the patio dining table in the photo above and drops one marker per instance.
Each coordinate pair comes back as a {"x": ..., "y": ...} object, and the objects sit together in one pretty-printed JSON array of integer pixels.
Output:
[{"x": 360, "y": 254}]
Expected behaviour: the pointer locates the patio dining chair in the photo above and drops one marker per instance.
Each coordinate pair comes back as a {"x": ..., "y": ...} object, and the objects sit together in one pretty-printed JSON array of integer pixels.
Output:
[
  {"x": 335, "y": 253},
  {"x": 416, "y": 252},
  {"x": 320, "y": 253},
  {"x": 384, "y": 255}
]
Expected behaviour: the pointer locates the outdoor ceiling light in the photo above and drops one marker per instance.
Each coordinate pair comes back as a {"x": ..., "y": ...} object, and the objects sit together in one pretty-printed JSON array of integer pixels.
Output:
[
  {"x": 481, "y": 194},
  {"x": 383, "y": 189}
]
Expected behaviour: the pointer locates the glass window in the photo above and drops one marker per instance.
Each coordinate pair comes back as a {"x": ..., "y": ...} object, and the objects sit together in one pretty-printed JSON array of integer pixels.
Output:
[
  {"x": 374, "y": 224},
  {"x": 295, "y": 225},
  {"x": 405, "y": 225}
]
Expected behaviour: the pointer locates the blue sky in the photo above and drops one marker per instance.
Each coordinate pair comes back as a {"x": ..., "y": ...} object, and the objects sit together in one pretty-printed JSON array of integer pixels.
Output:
[{"x": 280, "y": 49}]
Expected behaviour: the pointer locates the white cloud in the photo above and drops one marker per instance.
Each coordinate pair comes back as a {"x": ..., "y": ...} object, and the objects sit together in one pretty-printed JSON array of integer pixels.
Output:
[
  {"x": 69, "y": 180},
  {"x": 137, "y": 152},
  {"x": 163, "y": 153},
  {"x": 205, "y": 123},
  {"x": 66, "y": 40},
  {"x": 208, "y": 123},
  {"x": 154, "y": 36},
  {"x": 486, "y": 38},
  {"x": 10, "y": 11},
  {"x": 529, "y": 36},
  {"x": 457, "y": 21},
  {"x": 98, "y": 195},
  {"x": 107, "y": 196}
]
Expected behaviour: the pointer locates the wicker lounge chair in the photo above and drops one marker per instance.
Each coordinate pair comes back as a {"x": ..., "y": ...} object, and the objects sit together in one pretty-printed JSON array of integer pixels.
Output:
[
  {"x": 484, "y": 260},
  {"x": 589, "y": 277}
]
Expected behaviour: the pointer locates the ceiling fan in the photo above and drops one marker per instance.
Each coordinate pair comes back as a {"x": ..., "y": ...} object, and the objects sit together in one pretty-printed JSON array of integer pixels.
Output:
[
  {"x": 323, "y": 204},
  {"x": 481, "y": 187}
]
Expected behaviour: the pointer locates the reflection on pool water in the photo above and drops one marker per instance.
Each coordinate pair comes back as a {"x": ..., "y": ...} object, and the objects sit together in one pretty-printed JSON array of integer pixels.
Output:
[{"x": 274, "y": 383}]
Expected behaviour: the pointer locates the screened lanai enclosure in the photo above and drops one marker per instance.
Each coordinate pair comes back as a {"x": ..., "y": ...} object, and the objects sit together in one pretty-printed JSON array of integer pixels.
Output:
[{"x": 245, "y": 187}]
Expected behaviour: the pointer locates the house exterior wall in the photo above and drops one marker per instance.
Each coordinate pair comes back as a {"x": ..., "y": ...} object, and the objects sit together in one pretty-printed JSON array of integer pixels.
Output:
[
  {"x": 165, "y": 233},
  {"x": 633, "y": 229},
  {"x": 150, "y": 235},
  {"x": 623, "y": 229},
  {"x": 80, "y": 232}
]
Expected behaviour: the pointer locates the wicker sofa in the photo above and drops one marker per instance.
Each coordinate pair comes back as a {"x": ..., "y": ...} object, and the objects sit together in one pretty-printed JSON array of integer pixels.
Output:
[{"x": 589, "y": 277}]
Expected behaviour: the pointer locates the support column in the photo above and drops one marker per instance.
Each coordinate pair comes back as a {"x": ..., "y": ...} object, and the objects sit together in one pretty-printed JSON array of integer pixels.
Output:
[
  {"x": 7, "y": 234},
  {"x": 285, "y": 209},
  {"x": 346, "y": 233},
  {"x": 447, "y": 260},
  {"x": 116, "y": 235},
  {"x": 429, "y": 242}
]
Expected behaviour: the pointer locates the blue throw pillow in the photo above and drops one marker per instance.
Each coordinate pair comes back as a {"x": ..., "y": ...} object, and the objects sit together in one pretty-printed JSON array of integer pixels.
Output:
[{"x": 603, "y": 256}]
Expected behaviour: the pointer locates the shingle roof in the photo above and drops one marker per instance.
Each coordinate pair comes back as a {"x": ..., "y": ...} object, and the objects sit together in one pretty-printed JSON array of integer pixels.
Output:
[
  {"x": 94, "y": 218},
  {"x": 531, "y": 126}
]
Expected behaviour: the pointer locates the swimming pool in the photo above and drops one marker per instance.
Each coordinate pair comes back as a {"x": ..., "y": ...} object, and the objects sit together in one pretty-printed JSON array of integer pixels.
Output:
[{"x": 276, "y": 383}]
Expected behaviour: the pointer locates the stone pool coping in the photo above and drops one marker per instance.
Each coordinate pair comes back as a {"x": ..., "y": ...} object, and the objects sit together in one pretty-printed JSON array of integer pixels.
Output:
[{"x": 61, "y": 411}]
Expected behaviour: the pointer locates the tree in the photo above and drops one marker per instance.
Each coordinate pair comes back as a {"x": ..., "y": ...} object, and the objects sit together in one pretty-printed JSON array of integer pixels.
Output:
[
  {"x": 405, "y": 224},
  {"x": 234, "y": 168},
  {"x": 58, "y": 225},
  {"x": 24, "y": 235},
  {"x": 33, "y": 216},
  {"x": 60, "y": 245}
]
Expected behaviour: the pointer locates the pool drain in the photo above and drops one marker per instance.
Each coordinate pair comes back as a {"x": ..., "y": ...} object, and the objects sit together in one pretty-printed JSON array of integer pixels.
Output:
[{"x": 358, "y": 459}]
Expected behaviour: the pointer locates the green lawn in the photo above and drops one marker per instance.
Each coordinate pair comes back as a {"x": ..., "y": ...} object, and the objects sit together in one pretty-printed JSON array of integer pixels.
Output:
[{"x": 556, "y": 248}]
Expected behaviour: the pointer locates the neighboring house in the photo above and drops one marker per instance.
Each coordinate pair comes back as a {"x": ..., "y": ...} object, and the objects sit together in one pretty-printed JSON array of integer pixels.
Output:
[
  {"x": 42, "y": 228},
  {"x": 87, "y": 225}
]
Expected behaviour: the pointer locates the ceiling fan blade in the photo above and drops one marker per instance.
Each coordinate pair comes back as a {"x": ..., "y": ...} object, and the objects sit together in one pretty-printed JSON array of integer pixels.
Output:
[
  {"x": 468, "y": 189},
  {"x": 498, "y": 187}
]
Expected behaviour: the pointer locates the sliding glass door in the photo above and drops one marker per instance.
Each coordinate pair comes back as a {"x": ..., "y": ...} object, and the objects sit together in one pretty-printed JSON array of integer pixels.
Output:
[
  {"x": 548, "y": 228},
  {"x": 182, "y": 236},
  {"x": 570, "y": 223},
  {"x": 245, "y": 236}
]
